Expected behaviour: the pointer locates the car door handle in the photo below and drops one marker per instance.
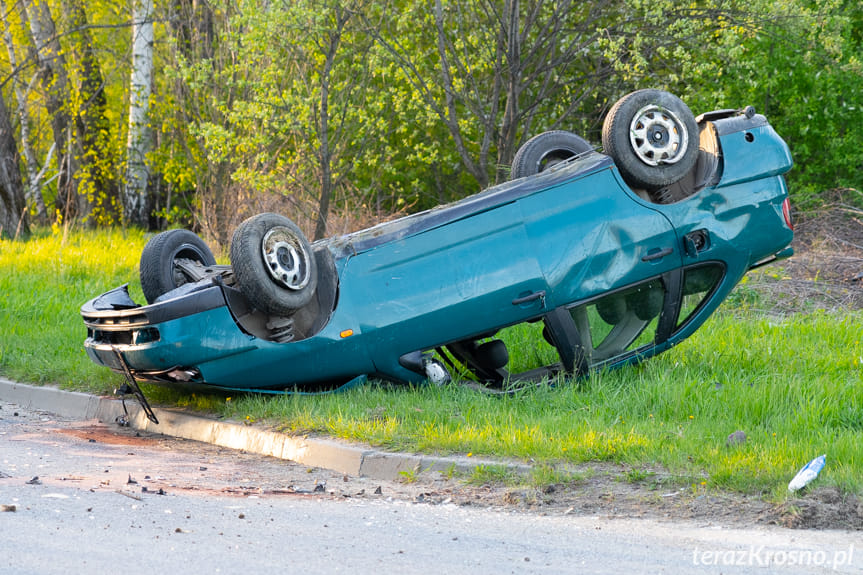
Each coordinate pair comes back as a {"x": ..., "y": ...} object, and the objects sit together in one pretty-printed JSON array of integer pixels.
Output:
[
  {"x": 537, "y": 295},
  {"x": 657, "y": 255}
]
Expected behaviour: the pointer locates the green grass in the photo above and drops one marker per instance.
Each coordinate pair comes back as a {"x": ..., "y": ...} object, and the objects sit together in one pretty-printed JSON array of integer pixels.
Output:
[
  {"x": 793, "y": 385},
  {"x": 43, "y": 283}
]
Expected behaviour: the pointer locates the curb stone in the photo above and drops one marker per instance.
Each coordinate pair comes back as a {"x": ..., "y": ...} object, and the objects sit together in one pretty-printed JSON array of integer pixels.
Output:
[{"x": 325, "y": 453}]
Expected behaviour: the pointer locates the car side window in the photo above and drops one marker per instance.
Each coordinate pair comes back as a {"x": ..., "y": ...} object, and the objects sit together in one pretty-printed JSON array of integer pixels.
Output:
[
  {"x": 621, "y": 322},
  {"x": 698, "y": 283}
]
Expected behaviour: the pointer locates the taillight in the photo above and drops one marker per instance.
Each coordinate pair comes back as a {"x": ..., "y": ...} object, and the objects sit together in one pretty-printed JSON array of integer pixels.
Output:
[{"x": 786, "y": 213}]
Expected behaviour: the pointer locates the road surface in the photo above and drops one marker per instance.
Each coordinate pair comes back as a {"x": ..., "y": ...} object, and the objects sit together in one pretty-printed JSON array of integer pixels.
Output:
[{"x": 81, "y": 497}]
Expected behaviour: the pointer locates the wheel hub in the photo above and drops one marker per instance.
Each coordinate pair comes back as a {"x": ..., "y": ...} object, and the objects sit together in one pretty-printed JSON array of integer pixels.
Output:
[
  {"x": 657, "y": 136},
  {"x": 287, "y": 260}
]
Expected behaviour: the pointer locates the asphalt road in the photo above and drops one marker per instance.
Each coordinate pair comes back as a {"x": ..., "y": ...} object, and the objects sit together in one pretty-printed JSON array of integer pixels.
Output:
[{"x": 86, "y": 498}]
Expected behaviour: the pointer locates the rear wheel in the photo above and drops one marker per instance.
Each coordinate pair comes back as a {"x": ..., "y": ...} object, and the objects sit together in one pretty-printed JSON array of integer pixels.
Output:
[
  {"x": 652, "y": 137},
  {"x": 273, "y": 264},
  {"x": 159, "y": 269},
  {"x": 545, "y": 150}
]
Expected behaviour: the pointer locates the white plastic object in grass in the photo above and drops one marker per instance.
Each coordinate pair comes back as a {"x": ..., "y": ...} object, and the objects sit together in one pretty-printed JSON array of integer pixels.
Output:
[{"x": 809, "y": 472}]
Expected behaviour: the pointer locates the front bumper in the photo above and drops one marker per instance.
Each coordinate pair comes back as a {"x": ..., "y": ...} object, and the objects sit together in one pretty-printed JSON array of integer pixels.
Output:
[{"x": 164, "y": 341}]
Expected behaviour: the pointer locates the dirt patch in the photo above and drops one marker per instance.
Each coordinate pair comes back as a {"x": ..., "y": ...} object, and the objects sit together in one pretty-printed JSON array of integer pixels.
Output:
[
  {"x": 826, "y": 508},
  {"x": 611, "y": 494},
  {"x": 103, "y": 434},
  {"x": 826, "y": 271}
]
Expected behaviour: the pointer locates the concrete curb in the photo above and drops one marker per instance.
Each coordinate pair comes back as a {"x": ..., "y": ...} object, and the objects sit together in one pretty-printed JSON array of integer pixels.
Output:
[{"x": 326, "y": 453}]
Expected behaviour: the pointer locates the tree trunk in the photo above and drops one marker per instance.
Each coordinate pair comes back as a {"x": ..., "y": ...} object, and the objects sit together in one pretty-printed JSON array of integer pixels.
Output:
[
  {"x": 192, "y": 22},
  {"x": 13, "y": 207},
  {"x": 140, "y": 142},
  {"x": 91, "y": 123},
  {"x": 450, "y": 116},
  {"x": 325, "y": 153},
  {"x": 34, "y": 188},
  {"x": 52, "y": 74},
  {"x": 512, "y": 72}
]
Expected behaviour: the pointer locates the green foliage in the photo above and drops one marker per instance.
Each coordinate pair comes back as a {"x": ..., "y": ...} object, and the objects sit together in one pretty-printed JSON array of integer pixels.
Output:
[
  {"x": 379, "y": 108},
  {"x": 803, "y": 68}
]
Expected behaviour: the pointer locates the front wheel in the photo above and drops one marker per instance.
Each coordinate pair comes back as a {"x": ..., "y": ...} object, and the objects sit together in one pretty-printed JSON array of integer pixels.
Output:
[
  {"x": 273, "y": 264},
  {"x": 652, "y": 137},
  {"x": 159, "y": 269}
]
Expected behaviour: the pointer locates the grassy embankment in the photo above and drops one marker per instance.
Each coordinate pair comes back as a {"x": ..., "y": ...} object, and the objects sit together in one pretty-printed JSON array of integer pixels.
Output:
[{"x": 793, "y": 385}]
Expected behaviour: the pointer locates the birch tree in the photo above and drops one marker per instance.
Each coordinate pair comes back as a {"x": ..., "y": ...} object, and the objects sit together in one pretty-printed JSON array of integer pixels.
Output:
[{"x": 139, "y": 142}]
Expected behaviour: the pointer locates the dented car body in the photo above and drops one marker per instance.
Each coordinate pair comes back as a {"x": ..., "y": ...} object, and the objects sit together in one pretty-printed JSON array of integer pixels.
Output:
[{"x": 608, "y": 273}]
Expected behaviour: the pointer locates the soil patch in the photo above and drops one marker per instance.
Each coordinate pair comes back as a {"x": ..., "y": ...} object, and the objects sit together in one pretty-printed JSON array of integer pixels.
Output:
[
  {"x": 826, "y": 271},
  {"x": 608, "y": 493}
]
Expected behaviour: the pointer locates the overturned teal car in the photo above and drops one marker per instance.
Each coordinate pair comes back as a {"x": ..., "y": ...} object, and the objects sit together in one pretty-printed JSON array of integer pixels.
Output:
[{"x": 612, "y": 257}]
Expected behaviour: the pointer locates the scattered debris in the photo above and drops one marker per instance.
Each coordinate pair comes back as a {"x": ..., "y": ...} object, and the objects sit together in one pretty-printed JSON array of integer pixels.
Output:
[
  {"x": 132, "y": 481},
  {"x": 129, "y": 495},
  {"x": 35, "y": 481},
  {"x": 809, "y": 472},
  {"x": 160, "y": 491},
  {"x": 8, "y": 508}
]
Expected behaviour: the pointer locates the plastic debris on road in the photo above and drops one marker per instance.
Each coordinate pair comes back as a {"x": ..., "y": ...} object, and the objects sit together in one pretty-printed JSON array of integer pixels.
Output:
[{"x": 808, "y": 473}]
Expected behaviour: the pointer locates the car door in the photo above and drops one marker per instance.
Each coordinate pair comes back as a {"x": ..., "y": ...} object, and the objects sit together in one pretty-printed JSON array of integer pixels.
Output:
[
  {"x": 612, "y": 265},
  {"x": 592, "y": 235},
  {"x": 445, "y": 284}
]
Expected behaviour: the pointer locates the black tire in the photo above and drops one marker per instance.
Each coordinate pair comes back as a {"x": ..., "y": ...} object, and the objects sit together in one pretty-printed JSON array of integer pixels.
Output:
[
  {"x": 273, "y": 264},
  {"x": 545, "y": 150},
  {"x": 158, "y": 271},
  {"x": 652, "y": 137}
]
